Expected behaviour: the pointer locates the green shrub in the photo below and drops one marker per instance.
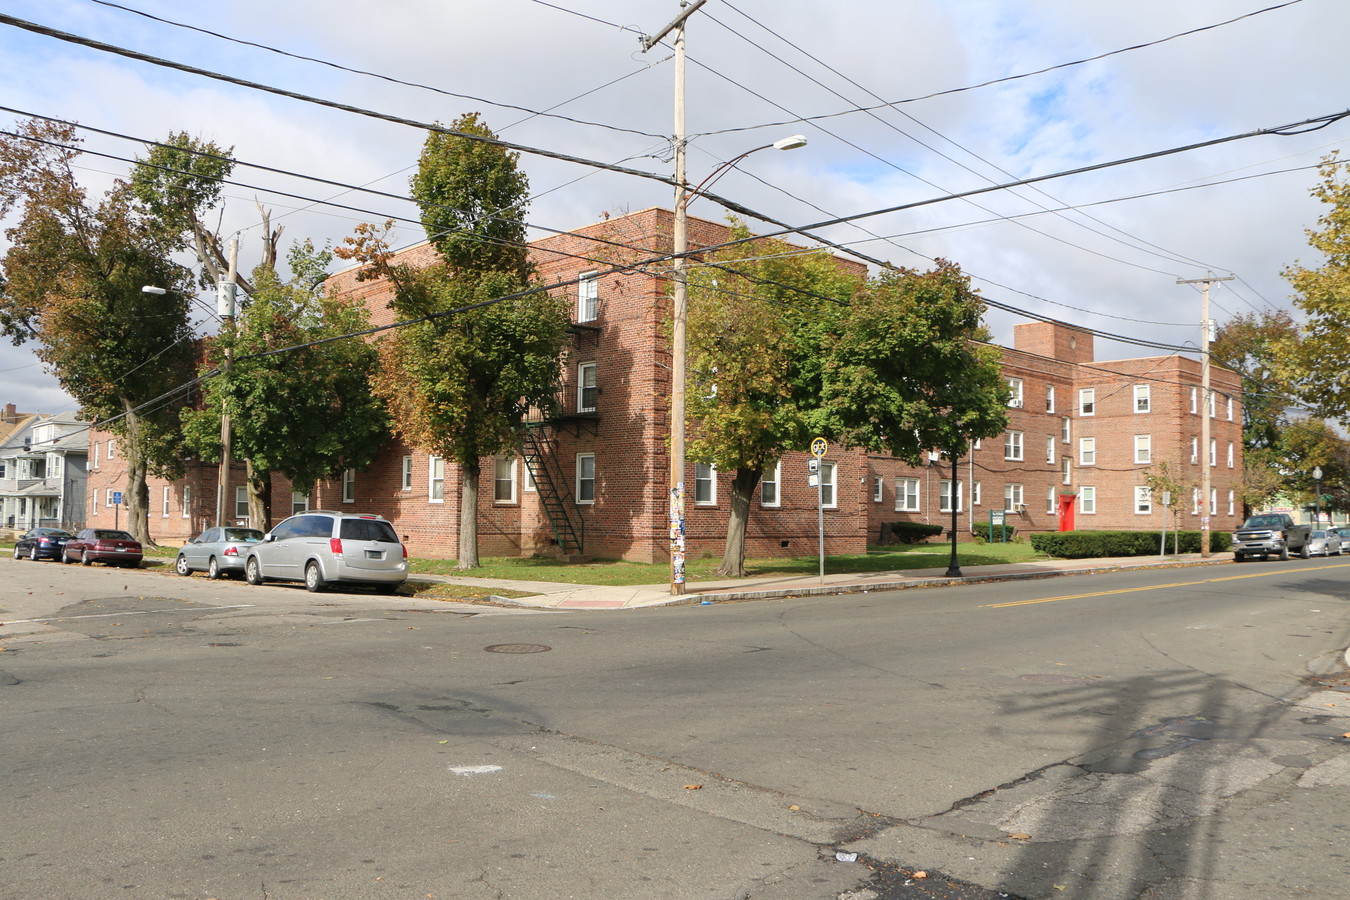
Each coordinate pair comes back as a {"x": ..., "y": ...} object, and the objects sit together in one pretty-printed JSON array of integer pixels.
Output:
[
  {"x": 1091, "y": 544},
  {"x": 908, "y": 532}
]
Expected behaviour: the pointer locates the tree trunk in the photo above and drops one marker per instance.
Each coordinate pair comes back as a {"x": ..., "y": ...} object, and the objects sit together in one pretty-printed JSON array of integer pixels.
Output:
[
  {"x": 259, "y": 497},
  {"x": 742, "y": 492},
  {"x": 137, "y": 493},
  {"x": 468, "y": 515}
]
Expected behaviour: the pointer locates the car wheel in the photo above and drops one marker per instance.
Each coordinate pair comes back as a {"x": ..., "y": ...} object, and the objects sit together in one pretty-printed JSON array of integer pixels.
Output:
[
  {"x": 84, "y": 558},
  {"x": 1303, "y": 552},
  {"x": 314, "y": 578},
  {"x": 1238, "y": 557},
  {"x": 33, "y": 554},
  {"x": 17, "y": 554},
  {"x": 213, "y": 569},
  {"x": 61, "y": 557},
  {"x": 253, "y": 571},
  {"x": 181, "y": 565}
]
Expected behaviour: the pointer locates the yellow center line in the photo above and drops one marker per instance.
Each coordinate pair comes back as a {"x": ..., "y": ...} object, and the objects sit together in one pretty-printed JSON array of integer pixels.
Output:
[{"x": 1156, "y": 587}]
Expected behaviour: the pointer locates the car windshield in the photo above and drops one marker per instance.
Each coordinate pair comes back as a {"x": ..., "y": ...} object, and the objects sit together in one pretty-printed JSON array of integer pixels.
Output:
[
  {"x": 244, "y": 535},
  {"x": 1265, "y": 522},
  {"x": 110, "y": 535}
]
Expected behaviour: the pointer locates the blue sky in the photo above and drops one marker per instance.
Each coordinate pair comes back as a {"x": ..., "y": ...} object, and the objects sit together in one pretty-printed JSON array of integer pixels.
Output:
[{"x": 755, "y": 66}]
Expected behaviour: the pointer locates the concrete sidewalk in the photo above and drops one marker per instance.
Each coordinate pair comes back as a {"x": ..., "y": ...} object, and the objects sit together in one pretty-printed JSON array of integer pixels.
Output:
[{"x": 555, "y": 595}]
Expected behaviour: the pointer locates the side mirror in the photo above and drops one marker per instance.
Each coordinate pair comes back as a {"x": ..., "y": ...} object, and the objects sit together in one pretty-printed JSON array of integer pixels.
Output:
[{"x": 267, "y": 538}]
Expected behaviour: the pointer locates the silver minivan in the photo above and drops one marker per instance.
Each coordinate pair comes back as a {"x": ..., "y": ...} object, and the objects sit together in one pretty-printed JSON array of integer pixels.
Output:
[{"x": 321, "y": 547}]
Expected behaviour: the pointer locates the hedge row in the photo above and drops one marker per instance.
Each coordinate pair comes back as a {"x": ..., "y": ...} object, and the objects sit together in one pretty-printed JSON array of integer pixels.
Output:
[
  {"x": 908, "y": 532},
  {"x": 1089, "y": 544}
]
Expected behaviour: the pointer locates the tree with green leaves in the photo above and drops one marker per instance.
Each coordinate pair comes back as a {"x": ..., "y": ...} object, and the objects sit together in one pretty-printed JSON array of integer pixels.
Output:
[
  {"x": 1318, "y": 361},
  {"x": 299, "y": 398},
  {"x": 72, "y": 280},
  {"x": 1252, "y": 345},
  {"x": 489, "y": 341},
  {"x": 1170, "y": 491},
  {"x": 758, "y": 314},
  {"x": 910, "y": 372}
]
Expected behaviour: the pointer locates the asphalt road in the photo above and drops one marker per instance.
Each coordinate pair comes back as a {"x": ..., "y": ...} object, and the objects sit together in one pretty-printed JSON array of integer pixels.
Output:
[{"x": 1148, "y": 735}]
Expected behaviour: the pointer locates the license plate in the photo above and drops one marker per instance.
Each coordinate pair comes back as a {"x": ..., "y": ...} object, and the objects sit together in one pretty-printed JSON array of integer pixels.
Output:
[{"x": 374, "y": 554}]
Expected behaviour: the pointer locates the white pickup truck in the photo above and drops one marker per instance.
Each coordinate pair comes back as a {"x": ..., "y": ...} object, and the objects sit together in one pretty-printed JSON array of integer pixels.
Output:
[{"x": 1270, "y": 534}]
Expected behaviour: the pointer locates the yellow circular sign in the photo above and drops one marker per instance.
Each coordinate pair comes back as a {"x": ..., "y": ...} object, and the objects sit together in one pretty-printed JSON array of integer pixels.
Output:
[{"x": 818, "y": 447}]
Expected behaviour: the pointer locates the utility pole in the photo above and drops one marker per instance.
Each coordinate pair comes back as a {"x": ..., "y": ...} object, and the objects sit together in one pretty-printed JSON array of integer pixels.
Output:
[
  {"x": 1206, "y": 399},
  {"x": 225, "y": 294},
  {"x": 679, "y": 300}
]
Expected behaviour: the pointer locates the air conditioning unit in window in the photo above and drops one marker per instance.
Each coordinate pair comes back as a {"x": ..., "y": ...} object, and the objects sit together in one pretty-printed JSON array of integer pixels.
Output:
[{"x": 1015, "y": 403}]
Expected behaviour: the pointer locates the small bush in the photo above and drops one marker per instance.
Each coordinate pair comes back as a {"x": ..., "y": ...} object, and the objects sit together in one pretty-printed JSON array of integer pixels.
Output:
[
  {"x": 908, "y": 532},
  {"x": 1090, "y": 544}
]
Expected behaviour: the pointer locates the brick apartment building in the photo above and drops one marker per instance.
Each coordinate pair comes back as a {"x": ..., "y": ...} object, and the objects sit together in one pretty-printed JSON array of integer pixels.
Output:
[{"x": 594, "y": 478}]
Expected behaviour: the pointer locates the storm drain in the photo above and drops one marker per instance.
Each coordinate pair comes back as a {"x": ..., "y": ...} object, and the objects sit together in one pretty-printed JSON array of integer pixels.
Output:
[{"x": 517, "y": 648}]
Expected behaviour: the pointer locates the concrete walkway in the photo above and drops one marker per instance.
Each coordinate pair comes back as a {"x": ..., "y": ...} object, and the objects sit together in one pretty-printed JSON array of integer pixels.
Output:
[{"x": 555, "y": 595}]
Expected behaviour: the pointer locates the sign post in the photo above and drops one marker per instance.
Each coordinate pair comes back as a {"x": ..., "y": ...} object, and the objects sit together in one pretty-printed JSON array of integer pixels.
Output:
[
  {"x": 998, "y": 517},
  {"x": 818, "y": 447}
]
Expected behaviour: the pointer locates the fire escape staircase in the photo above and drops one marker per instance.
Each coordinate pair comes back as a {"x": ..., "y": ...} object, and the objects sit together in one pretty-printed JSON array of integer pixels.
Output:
[{"x": 540, "y": 452}]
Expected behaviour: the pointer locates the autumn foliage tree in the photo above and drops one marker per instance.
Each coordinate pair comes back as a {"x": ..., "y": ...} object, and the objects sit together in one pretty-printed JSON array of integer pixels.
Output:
[
  {"x": 72, "y": 281},
  {"x": 486, "y": 341}
]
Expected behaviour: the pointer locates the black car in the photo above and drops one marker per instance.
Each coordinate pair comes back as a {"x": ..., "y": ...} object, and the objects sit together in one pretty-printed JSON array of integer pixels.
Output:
[{"x": 42, "y": 543}]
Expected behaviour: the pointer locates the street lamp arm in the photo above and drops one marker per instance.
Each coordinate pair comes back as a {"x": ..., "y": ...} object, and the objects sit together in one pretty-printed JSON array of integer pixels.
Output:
[{"x": 788, "y": 143}]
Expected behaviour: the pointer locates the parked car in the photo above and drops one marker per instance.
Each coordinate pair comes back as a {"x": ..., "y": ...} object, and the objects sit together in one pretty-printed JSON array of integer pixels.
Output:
[
  {"x": 321, "y": 547},
  {"x": 217, "y": 551},
  {"x": 105, "y": 545},
  {"x": 1324, "y": 543},
  {"x": 42, "y": 542},
  {"x": 1344, "y": 532}
]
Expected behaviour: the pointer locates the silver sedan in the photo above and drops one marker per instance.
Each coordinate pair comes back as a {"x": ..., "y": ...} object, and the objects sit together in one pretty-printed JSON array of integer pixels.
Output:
[
  {"x": 217, "y": 551},
  {"x": 1324, "y": 543}
]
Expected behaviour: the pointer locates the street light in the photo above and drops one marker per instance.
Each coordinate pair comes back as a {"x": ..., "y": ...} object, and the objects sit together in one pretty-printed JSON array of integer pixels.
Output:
[
  {"x": 1317, "y": 495},
  {"x": 680, "y": 279}
]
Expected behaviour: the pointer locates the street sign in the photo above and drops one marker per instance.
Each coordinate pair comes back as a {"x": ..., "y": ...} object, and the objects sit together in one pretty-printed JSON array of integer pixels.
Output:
[
  {"x": 818, "y": 447},
  {"x": 117, "y": 498}
]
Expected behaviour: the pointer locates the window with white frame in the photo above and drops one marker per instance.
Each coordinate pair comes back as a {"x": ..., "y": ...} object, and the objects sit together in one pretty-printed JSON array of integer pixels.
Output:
[
  {"x": 299, "y": 502},
  {"x": 768, "y": 485},
  {"x": 585, "y": 477},
  {"x": 1015, "y": 393},
  {"x": 827, "y": 492},
  {"x": 349, "y": 486},
  {"x": 528, "y": 472},
  {"x": 1195, "y": 450},
  {"x": 1213, "y": 501},
  {"x": 1230, "y": 454},
  {"x": 587, "y": 388},
  {"x": 1087, "y": 402},
  {"x": 1143, "y": 448},
  {"x": 407, "y": 473},
  {"x": 1049, "y": 398},
  {"x": 1195, "y": 400},
  {"x": 112, "y": 448},
  {"x": 436, "y": 479},
  {"x": 93, "y": 506},
  {"x": 878, "y": 488},
  {"x": 945, "y": 496},
  {"x": 588, "y": 297},
  {"x": 1066, "y": 429},
  {"x": 1230, "y": 503},
  {"x": 504, "y": 479},
  {"x": 1066, "y": 470},
  {"x": 112, "y": 502},
  {"x": 906, "y": 495},
  {"x": 975, "y": 494},
  {"x": 166, "y": 502},
  {"x": 705, "y": 484},
  {"x": 1050, "y": 449},
  {"x": 1143, "y": 499},
  {"x": 1213, "y": 404},
  {"x": 1141, "y": 398},
  {"x": 1213, "y": 452},
  {"x": 187, "y": 501},
  {"x": 241, "y": 502},
  {"x": 1087, "y": 500},
  {"x": 96, "y": 452},
  {"x": 1012, "y": 497},
  {"x": 1195, "y": 501},
  {"x": 1087, "y": 451},
  {"x": 1050, "y": 499},
  {"x": 1012, "y": 445},
  {"x": 1229, "y": 404}
]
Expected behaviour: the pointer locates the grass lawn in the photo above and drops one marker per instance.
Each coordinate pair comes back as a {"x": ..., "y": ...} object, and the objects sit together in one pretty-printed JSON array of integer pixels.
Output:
[{"x": 618, "y": 573}]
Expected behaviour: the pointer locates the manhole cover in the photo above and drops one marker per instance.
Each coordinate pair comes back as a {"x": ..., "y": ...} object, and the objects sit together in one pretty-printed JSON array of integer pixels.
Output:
[
  {"x": 517, "y": 648},
  {"x": 1056, "y": 678}
]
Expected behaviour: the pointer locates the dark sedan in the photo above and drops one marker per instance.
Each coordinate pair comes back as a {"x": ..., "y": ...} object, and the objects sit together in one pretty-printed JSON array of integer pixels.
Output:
[
  {"x": 42, "y": 543},
  {"x": 105, "y": 545}
]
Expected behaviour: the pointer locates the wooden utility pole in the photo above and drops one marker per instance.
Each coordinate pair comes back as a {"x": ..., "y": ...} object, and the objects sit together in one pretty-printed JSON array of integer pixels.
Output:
[
  {"x": 1206, "y": 400},
  {"x": 225, "y": 295}
]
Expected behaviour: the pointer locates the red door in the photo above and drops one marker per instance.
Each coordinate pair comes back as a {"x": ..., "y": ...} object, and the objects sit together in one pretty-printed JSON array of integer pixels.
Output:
[{"x": 1066, "y": 504}]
